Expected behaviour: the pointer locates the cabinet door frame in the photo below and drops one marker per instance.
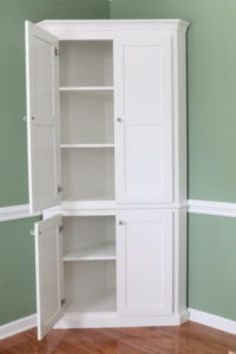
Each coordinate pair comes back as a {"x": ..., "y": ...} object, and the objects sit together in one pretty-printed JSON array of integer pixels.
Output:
[
  {"x": 126, "y": 218},
  {"x": 42, "y": 128},
  {"x": 48, "y": 249},
  {"x": 121, "y": 124}
]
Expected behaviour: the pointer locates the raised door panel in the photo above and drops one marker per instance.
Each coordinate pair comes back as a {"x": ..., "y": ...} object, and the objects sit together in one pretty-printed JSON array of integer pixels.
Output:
[
  {"x": 145, "y": 260},
  {"x": 143, "y": 108},
  {"x": 49, "y": 273},
  {"x": 42, "y": 118}
]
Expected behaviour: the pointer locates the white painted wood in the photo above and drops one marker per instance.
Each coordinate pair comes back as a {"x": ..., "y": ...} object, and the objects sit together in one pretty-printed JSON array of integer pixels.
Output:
[
  {"x": 86, "y": 63},
  {"x": 214, "y": 321},
  {"x": 102, "y": 252},
  {"x": 49, "y": 273},
  {"x": 89, "y": 237},
  {"x": 17, "y": 326},
  {"x": 179, "y": 118},
  {"x": 88, "y": 175},
  {"x": 180, "y": 260},
  {"x": 90, "y": 286},
  {"x": 106, "y": 320},
  {"x": 103, "y": 302},
  {"x": 73, "y": 320},
  {"x": 16, "y": 212},
  {"x": 87, "y": 117},
  {"x": 145, "y": 262},
  {"x": 42, "y": 118},
  {"x": 143, "y": 108},
  {"x": 87, "y": 146},
  {"x": 123, "y": 152},
  {"x": 86, "y": 88},
  {"x": 212, "y": 208},
  {"x": 108, "y": 29}
]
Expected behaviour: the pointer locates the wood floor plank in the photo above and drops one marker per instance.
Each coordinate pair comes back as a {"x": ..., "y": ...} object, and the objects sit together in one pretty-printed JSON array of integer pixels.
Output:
[{"x": 190, "y": 338}]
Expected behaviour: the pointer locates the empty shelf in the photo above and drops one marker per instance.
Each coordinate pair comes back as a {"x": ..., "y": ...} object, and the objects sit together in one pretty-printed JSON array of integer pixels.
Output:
[
  {"x": 86, "y": 88},
  {"x": 105, "y": 251},
  {"x": 87, "y": 146}
]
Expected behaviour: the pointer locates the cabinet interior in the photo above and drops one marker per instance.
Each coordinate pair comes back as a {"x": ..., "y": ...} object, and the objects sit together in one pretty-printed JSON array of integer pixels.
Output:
[
  {"x": 86, "y": 63},
  {"x": 89, "y": 238},
  {"x": 87, "y": 120},
  {"x": 90, "y": 286},
  {"x": 89, "y": 247},
  {"x": 88, "y": 174},
  {"x": 87, "y": 117}
]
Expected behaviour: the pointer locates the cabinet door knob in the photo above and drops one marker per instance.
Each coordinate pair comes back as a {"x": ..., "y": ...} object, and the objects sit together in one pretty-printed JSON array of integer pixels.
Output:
[
  {"x": 121, "y": 223},
  {"x": 119, "y": 120}
]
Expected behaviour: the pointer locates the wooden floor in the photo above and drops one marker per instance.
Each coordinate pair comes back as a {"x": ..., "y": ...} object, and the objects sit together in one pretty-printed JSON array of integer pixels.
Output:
[{"x": 190, "y": 338}]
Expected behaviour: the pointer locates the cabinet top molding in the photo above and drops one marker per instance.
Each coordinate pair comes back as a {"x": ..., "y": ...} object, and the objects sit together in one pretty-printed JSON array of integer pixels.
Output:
[{"x": 61, "y": 28}]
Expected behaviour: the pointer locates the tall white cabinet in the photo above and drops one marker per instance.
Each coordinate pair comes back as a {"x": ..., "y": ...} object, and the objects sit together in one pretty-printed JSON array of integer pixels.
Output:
[{"x": 106, "y": 125}]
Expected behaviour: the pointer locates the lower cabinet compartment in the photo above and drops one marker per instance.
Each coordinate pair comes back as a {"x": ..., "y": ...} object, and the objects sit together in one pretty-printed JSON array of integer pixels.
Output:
[
  {"x": 89, "y": 238},
  {"x": 90, "y": 286}
]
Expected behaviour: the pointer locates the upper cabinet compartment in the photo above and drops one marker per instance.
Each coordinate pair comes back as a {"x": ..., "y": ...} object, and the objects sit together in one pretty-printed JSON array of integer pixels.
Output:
[{"x": 86, "y": 64}]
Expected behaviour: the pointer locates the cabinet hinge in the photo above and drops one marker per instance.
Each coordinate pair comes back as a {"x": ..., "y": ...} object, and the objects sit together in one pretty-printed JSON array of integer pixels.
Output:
[
  {"x": 61, "y": 228},
  {"x": 56, "y": 51},
  {"x": 63, "y": 301},
  {"x": 59, "y": 189}
]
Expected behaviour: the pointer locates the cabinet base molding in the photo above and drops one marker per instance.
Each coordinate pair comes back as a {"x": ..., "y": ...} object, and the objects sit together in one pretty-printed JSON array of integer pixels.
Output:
[
  {"x": 18, "y": 326},
  {"x": 113, "y": 321}
]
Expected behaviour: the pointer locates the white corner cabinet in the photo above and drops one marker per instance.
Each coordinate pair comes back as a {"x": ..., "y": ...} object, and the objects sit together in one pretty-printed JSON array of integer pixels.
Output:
[{"x": 106, "y": 119}]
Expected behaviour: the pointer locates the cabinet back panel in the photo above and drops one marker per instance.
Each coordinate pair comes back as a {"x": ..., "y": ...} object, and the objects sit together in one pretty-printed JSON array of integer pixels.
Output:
[
  {"x": 88, "y": 174},
  {"x": 90, "y": 286},
  {"x": 87, "y": 118},
  {"x": 86, "y": 231},
  {"x": 86, "y": 63}
]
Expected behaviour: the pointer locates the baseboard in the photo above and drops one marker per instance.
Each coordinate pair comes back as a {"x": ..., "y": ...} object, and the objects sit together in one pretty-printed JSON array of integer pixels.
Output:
[
  {"x": 214, "y": 321},
  {"x": 207, "y": 319},
  {"x": 18, "y": 326}
]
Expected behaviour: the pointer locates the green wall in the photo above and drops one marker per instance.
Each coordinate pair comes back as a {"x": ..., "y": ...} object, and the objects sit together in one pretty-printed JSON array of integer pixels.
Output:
[
  {"x": 17, "y": 280},
  {"x": 13, "y": 13},
  {"x": 211, "y": 141},
  {"x": 17, "y": 288},
  {"x": 212, "y": 265}
]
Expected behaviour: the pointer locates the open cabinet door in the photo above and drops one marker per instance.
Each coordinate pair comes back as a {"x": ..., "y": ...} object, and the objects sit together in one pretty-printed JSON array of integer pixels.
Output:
[
  {"x": 49, "y": 273},
  {"x": 42, "y": 118}
]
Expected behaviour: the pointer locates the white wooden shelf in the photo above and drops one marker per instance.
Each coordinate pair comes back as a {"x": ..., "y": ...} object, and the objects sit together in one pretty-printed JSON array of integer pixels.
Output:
[
  {"x": 87, "y": 146},
  {"x": 85, "y": 88},
  {"x": 102, "y": 302},
  {"x": 102, "y": 252}
]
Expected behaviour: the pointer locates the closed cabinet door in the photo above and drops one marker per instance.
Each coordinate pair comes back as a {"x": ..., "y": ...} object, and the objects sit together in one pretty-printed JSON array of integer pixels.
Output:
[
  {"x": 145, "y": 261},
  {"x": 143, "y": 113}
]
